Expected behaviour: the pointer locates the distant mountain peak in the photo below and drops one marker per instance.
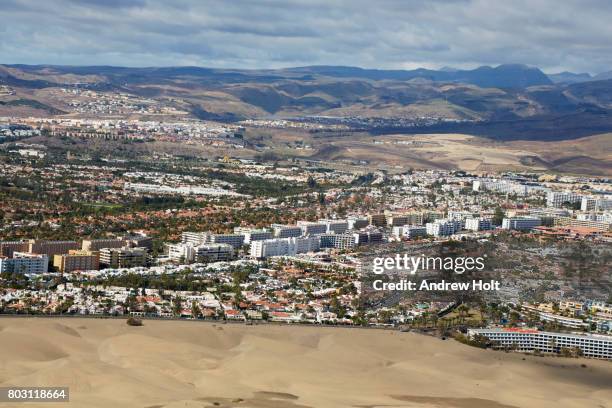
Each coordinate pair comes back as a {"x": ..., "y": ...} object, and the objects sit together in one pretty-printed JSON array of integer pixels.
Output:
[
  {"x": 567, "y": 77},
  {"x": 501, "y": 76},
  {"x": 603, "y": 76},
  {"x": 449, "y": 69}
]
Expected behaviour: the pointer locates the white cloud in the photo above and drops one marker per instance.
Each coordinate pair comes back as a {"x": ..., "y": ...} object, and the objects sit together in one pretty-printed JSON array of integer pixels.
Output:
[{"x": 573, "y": 35}]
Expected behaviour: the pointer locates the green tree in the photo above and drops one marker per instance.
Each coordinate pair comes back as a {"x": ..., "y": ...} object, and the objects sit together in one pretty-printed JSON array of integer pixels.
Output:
[
  {"x": 498, "y": 216},
  {"x": 195, "y": 310},
  {"x": 176, "y": 306}
]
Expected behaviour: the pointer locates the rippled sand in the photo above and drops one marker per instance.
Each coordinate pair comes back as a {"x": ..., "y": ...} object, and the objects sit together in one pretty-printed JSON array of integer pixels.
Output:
[{"x": 191, "y": 364}]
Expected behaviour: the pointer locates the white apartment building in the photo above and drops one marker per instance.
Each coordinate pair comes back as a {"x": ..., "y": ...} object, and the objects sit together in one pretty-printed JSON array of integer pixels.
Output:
[
  {"x": 251, "y": 234},
  {"x": 478, "y": 224},
  {"x": 505, "y": 187},
  {"x": 588, "y": 223},
  {"x": 594, "y": 203},
  {"x": 521, "y": 223},
  {"x": 210, "y": 252},
  {"x": 460, "y": 215},
  {"x": 527, "y": 340},
  {"x": 270, "y": 247},
  {"x": 286, "y": 231},
  {"x": 409, "y": 231},
  {"x": 338, "y": 241},
  {"x": 443, "y": 227},
  {"x": 301, "y": 245},
  {"x": 548, "y": 213},
  {"x": 25, "y": 263},
  {"x": 546, "y": 316},
  {"x": 195, "y": 238},
  {"x": 312, "y": 228},
  {"x": 557, "y": 199},
  {"x": 284, "y": 246},
  {"x": 604, "y": 218},
  {"x": 336, "y": 226},
  {"x": 181, "y": 252},
  {"x": 570, "y": 322},
  {"x": 235, "y": 240}
]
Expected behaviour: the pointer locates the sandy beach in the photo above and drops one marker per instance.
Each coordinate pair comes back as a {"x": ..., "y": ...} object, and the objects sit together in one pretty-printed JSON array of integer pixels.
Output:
[{"x": 191, "y": 364}]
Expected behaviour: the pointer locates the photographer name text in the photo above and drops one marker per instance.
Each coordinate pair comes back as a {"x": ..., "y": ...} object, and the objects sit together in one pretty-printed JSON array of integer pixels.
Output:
[{"x": 408, "y": 285}]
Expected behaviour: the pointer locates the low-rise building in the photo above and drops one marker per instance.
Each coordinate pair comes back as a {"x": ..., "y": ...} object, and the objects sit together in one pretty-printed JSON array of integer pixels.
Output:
[
  {"x": 573, "y": 222},
  {"x": 76, "y": 260},
  {"x": 531, "y": 340},
  {"x": 521, "y": 223}
]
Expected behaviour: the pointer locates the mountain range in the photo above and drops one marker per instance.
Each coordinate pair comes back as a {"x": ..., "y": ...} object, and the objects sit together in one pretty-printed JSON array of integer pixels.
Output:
[{"x": 505, "y": 102}]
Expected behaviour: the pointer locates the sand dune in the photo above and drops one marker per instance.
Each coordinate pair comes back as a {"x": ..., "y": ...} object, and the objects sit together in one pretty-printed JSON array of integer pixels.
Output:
[{"x": 188, "y": 364}]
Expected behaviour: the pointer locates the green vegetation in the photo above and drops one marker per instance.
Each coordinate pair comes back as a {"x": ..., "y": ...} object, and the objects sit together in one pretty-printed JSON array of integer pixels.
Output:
[{"x": 133, "y": 321}]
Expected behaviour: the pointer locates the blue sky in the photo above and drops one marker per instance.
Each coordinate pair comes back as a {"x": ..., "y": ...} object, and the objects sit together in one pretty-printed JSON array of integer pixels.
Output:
[{"x": 551, "y": 34}]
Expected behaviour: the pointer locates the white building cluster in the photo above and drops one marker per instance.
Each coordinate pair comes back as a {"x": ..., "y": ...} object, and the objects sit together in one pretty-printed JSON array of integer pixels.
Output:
[
  {"x": 506, "y": 187},
  {"x": 281, "y": 240}
]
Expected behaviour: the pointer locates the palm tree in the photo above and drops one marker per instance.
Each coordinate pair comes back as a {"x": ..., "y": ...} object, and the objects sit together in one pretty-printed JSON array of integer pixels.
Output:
[{"x": 195, "y": 310}]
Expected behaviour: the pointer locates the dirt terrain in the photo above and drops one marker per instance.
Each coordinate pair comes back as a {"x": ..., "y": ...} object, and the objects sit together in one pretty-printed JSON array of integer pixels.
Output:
[{"x": 192, "y": 364}]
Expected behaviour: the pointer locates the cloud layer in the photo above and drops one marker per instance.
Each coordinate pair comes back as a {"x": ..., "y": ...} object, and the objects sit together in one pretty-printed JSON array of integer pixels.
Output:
[{"x": 555, "y": 36}]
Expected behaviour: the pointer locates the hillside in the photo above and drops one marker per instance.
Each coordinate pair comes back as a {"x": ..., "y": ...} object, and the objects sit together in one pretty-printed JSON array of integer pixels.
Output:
[
  {"x": 502, "y": 76},
  {"x": 508, "y": 102}
]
